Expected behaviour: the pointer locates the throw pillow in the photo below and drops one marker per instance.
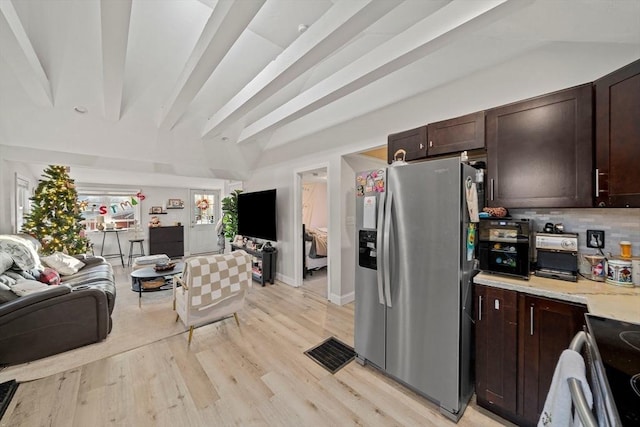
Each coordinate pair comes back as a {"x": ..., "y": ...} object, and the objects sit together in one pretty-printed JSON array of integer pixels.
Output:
[
  {"x": 50, "y": 277},
  {"x": 21, "y": 251},
  {"x": 64, "y": 264},
  {"x": 25, "y": 287},
  {"x": 5, "y": 262}
]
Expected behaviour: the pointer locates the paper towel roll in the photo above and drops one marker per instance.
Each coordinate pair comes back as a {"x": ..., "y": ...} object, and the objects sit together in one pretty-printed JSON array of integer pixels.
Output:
[{"x": 635, "y": 271}]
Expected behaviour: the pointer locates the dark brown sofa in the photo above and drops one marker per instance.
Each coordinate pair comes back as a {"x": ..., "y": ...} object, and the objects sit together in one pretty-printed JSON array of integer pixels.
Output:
[{"x": 73, "y": 314}]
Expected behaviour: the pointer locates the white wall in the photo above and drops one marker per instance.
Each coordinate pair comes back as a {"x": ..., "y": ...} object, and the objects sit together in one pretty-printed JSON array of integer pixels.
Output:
[
  {"x": 154, "y": 196},
  {"x": 8, "y": 193},
  {"x": 314, "y": 204},
  {"x": 341, "y": 212},
  {"x": 519, "y": 78}
]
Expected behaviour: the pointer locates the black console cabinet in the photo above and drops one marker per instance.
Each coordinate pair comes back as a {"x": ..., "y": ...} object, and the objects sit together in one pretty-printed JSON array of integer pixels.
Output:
[
  {"x": 167, "y": 240},
  {"x": 263, "y": 265}
]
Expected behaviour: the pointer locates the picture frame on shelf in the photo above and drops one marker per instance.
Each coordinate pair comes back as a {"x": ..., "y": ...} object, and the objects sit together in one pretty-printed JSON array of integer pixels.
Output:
[
  {"x": 175, "y": 203},
  {"x": 156, "y": 209}
]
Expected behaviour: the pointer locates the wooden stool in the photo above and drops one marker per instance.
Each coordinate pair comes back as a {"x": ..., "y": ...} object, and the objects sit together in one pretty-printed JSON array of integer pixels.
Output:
[{"x": 131, "y": 254}]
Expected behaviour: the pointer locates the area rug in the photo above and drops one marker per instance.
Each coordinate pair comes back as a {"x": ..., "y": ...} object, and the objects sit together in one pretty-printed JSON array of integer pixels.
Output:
[
  {"x": 331, "y": 354},
  {"x": 133, "y": 327}
]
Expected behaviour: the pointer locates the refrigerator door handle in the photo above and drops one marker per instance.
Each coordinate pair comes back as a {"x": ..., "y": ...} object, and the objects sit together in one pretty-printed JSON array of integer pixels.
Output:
[
  {"x": 386, "y": 259},
  {"x": 380, "y": 251}
]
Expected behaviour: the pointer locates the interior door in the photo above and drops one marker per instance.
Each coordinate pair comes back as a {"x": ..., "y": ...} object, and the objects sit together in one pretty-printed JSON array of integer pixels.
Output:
[
  {"x": 22, "y": 204},
  {"x": 204, "y": 206}
]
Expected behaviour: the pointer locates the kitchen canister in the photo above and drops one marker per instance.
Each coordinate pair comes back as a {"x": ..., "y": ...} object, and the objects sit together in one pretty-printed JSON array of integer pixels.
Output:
[
  {"x": 635, "y": 271},
  {"x": 619, "y": 272}
]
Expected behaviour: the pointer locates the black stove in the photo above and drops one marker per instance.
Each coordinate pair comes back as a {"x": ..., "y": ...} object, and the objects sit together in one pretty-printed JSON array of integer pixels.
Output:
[{"x": 618, "y": 347}]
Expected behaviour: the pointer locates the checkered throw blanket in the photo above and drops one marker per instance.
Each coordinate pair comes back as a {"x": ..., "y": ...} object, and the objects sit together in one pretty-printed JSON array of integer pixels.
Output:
[{"x": 213, "y": 278}]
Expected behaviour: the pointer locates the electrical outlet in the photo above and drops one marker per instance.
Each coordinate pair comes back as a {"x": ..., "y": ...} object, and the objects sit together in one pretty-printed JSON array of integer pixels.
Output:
[{"x": 595, "y": 239}]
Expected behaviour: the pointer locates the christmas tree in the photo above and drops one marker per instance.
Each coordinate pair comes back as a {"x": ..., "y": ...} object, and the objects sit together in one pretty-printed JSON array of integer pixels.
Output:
[{"x": 55, "y": 219}]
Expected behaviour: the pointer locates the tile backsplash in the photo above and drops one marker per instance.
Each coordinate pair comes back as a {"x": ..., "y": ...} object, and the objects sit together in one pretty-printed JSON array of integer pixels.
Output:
[{"x": 618, "y": 224}]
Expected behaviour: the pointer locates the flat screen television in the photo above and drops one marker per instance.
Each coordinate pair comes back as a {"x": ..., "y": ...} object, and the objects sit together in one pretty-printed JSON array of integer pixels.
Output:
[{"x": 257, "y": 214}]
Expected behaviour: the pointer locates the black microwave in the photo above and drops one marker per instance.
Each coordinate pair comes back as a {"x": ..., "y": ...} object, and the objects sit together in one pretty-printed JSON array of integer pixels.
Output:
[{"x": 504, "y": 246}]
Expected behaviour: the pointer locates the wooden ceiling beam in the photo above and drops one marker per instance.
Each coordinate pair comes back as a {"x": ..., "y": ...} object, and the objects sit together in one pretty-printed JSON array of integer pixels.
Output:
[
  {"x": 115, "y": 17},
  {"x": 452, "y": 22},
  {"x": 225, "y": 25},
  {"x": 18, "y": 51},
  {"x": 345, "y": 20}
]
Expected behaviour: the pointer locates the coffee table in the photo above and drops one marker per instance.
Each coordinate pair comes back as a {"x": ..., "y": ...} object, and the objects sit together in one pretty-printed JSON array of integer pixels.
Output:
[{"x": 138, "y": 277}]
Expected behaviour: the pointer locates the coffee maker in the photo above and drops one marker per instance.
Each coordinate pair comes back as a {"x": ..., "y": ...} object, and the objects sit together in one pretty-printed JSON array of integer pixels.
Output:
[{"x": 557, "y": 255}]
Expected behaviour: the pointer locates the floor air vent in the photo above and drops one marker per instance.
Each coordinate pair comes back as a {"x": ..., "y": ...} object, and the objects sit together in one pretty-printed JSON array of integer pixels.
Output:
[
  {"x": 6, "y": 393},
  {"x": 331, "y": 354}
]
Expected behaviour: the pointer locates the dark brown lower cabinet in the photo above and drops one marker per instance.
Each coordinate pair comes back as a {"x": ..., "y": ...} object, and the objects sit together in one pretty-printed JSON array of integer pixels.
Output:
[
  {"x": 496, "y": 348},
  {"x": 546, "y": 329},
  {"x": 519, "y": 338},
  {"x": 167, "y": 240}
]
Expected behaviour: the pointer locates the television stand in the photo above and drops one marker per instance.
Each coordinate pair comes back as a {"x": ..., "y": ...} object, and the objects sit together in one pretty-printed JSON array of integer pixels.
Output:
[{"x": 263, "y": 264}]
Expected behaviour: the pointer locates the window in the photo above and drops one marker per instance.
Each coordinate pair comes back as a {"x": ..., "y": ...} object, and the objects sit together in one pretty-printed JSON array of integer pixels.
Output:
[
  {"x": 206, "y": 207},
  {"x": 103, "y": 208}
]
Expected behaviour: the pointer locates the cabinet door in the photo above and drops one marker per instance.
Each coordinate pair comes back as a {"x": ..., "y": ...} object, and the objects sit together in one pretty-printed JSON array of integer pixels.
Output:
[
  {"x": 456, "y": 135},
  {"x": 546, "y": 329},
  {"x": 539, "y": 151},
  {"x": 496, "y": 349},
  {"x": 413, "y": 142},
  {"x": 617, "y": 138}
]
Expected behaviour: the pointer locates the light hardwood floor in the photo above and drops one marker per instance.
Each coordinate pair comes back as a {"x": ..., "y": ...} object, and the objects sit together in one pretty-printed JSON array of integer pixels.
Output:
[
  {"x": 251, "y": 375},
  {"x": 316, "y": 282}
]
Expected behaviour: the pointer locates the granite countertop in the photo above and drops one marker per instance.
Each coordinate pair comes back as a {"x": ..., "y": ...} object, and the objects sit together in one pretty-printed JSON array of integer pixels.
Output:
[{"x": 602, "y": 299}]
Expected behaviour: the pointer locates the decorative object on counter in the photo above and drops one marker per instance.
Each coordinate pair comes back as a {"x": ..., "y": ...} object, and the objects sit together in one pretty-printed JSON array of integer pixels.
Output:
[
  {"x": 625, "y": 249},
  {"x": 619, "y": 272},
  {"x": 635, "y": 271},
  {"x": 496, "y": 212},
  {"x": 100, "y": 223},
  {"x": 154, "y": 222},
  {"x": 597, "y": 267}
]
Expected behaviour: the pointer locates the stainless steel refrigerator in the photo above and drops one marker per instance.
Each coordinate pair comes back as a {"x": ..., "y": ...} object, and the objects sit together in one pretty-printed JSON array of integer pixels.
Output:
[{"x": 413, "y": 271}]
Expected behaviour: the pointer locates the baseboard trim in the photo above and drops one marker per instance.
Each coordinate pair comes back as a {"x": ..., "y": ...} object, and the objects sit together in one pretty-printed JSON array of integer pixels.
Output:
[
  {"x": 343, "y": 299},
  {"x": 286, "y": 280}
]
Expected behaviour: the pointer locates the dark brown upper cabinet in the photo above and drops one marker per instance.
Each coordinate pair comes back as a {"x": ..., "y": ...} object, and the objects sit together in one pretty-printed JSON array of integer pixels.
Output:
[
  {"x": 408, "y": 145},
  {"x": 540, "y": 151},
  {"x": 456, "y": 135},
  {"x": 618, "y": 138}
]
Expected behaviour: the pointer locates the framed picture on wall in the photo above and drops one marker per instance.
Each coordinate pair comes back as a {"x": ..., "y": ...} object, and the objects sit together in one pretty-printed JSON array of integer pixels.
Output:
[
  {"x": 156, "y": 209},
  {"x": 175, "y": 203}
]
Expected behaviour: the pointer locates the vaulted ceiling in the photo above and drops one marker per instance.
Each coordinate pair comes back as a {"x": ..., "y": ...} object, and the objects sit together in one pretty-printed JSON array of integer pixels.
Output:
[{"x": 204, "y": 88}]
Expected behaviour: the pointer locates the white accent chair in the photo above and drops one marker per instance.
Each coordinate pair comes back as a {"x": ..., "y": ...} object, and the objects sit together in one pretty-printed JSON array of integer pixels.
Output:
[{"x": 212, "y": 288}]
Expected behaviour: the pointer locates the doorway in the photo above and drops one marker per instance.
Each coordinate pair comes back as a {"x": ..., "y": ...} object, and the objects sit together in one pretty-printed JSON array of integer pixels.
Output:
[
  {"x": 22, "y": 203},
  {"x": 204, "y": 214},
  {"x": 314, "y": 220}
]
